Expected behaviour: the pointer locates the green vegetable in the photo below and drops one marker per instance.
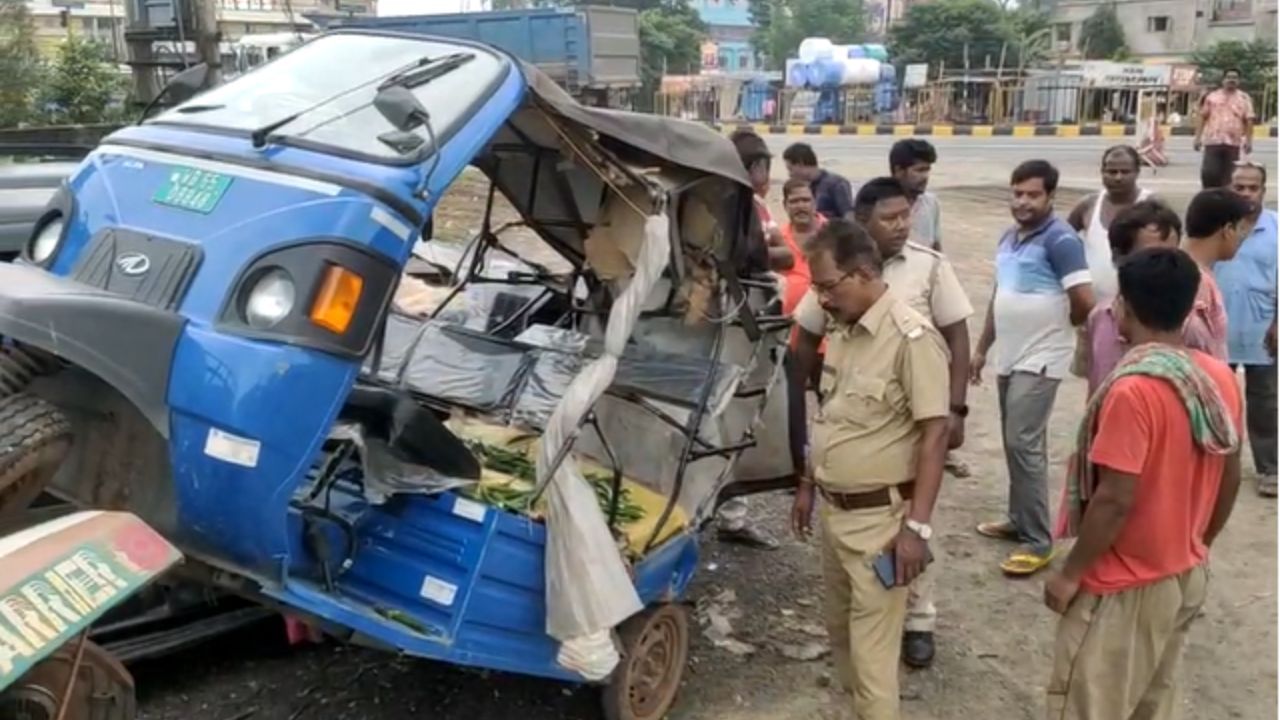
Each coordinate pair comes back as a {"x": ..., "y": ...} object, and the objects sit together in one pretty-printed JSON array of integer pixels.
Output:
[{"x": 517, "y": 499}]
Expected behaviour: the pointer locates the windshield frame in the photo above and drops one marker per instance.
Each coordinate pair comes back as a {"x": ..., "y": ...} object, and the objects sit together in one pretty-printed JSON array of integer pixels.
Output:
[{"x": 442, "y": 134}]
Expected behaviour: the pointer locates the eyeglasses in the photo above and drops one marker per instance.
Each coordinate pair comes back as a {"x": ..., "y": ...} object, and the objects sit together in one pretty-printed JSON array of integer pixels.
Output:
[{"x": 829, "y": 287}]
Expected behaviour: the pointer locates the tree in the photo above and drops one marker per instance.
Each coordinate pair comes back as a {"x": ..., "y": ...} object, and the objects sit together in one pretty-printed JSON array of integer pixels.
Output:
[
  {"x": 790, "y": 21},
  {"x": 81, "y": 84},
  {"x": 20, "y": 67},
  {"x": 941, "y": 32},
  {"x": 671, "y": 36},
  {"x": 1256, "y": 61},
  {"x": 1102, "y": 36},
  {"x": 761, "y": 14}
]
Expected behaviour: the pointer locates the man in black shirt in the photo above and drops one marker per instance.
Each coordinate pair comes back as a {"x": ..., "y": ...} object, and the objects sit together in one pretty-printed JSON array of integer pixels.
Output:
[{"x": 831, "y": 192}]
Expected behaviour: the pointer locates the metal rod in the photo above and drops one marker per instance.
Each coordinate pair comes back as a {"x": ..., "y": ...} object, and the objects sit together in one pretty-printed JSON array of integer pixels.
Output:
[
  {"x": 615, "y": 501},
  {"x": 558, "y": 460},
  {"x": 726, "y": 450},
  {"x": 639, "y": 400},
  {"x": 691, "y": 434},
  {"x": 64, "y": 705}
]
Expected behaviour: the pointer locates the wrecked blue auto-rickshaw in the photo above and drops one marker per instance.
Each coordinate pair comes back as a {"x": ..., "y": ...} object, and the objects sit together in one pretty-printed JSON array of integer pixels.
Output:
[{"x": 231, "y": 321}]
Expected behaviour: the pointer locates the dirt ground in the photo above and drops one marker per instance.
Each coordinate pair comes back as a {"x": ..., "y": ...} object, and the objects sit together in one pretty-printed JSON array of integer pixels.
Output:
[{"x": 994, "y": 635}]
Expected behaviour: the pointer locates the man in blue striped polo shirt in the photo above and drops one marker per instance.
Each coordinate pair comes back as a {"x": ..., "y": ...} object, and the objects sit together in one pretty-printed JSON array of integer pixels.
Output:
[{"x": 1043, "y": 291}]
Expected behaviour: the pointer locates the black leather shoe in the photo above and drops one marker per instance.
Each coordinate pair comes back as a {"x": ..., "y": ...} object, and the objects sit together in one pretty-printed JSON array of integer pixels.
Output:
[{"x": 917, "y": 649}]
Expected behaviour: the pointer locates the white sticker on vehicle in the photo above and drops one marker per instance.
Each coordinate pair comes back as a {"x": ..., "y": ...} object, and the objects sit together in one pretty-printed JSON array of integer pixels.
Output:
[
  {"x": 469, "y": 509},
  {"x": 438, "y": 591},
  {"x": 232, "y": 448}
]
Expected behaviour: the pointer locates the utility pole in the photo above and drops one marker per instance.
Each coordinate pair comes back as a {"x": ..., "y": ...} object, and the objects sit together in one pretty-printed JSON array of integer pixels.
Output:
[
  {"x": 139, "y": 51},
  {"x": 204, "y": 14}
]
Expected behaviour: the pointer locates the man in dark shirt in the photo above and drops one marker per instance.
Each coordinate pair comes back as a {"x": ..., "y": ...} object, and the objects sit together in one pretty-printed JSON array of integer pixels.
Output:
[{"x": 831, "y": 192}]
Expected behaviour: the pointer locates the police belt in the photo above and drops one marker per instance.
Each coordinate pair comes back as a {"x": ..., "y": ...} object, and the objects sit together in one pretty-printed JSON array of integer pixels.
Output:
[{"x": 880, "y": 497}]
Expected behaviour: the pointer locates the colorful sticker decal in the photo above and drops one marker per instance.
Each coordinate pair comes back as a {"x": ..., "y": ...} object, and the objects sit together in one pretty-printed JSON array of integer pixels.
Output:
[{"x": 49, "y": 608}]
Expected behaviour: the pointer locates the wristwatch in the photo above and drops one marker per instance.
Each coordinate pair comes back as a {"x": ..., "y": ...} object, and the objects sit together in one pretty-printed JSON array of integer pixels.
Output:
[
  {"x": 924, "y": 531},
  {"x": 961, "y": 410}
]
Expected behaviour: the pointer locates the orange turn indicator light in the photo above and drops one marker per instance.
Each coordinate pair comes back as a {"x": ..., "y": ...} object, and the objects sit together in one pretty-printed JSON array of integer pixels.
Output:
[{"x": 336, "y": 302}]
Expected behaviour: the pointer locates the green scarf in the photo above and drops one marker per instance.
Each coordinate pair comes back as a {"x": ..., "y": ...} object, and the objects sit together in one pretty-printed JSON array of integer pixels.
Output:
[{"x": 1211, "y": 427}]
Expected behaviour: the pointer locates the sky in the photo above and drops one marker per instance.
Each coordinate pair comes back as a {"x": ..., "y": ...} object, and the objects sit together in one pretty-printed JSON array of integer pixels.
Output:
[{"x": 426, "y": 7}]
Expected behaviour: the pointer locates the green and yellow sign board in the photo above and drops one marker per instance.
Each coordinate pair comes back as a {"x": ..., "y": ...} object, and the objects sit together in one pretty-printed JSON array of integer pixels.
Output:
[{"x": 84, "y": 570}]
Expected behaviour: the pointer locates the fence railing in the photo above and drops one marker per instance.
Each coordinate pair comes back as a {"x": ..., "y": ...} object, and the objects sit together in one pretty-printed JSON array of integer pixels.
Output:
[{"x": 993, "y": 102}]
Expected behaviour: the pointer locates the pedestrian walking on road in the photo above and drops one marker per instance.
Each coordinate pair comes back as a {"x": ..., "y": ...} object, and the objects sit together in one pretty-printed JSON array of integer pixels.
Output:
[
  {"x": 926, "y": 281},
  {"x": 1225, "y": 131},
  {"x": 878, "y": 444},
  {"x": 1043, "y": 290},
  {"x": 910, "y": 163},
  {"x": 1162, "y": 442},
  {"x": 1248, "y": 284},
  {"x": 832, "y": 192}
]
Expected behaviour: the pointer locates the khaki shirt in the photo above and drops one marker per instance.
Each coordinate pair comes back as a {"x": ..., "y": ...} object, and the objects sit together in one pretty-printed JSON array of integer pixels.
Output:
[
  {"x": 922, "y": 277},
  {"x": 881, "y": 377}
]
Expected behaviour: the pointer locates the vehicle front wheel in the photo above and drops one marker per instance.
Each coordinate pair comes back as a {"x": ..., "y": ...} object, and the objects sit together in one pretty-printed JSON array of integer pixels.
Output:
[
  {"x": 655, "y": 648},
  {"x": 35, "y": 438},
  {"x": 103, "y": 689}
]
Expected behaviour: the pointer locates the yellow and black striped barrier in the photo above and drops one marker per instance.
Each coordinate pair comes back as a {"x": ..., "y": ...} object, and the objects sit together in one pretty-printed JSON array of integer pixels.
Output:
[{"x": 947, "y": 130}]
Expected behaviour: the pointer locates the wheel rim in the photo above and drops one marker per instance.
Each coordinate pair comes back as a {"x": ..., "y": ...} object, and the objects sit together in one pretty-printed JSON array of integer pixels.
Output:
[
  {"x": 29, "y": 702},
  {"x": 103, "y": 688},
  {"x": 654, "y": 667}
]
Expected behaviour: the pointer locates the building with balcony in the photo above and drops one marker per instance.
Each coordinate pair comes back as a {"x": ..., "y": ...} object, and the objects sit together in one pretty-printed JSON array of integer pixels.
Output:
[
  {"x": 1166, "y": 30},
  {"x": 105, "y": 20},
  {"x": 729, "y": 32}
]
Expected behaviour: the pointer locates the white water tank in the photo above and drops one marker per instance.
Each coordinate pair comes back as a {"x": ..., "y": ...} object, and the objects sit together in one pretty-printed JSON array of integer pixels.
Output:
[
  {"x": 815, "y": 48},
  {"x": 860, "y": 71}
]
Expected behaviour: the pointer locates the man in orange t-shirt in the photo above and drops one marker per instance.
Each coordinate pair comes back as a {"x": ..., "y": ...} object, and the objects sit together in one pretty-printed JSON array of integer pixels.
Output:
[
  {"x": 804, "y": 222},
  {"x": 1162, "y": 440}
]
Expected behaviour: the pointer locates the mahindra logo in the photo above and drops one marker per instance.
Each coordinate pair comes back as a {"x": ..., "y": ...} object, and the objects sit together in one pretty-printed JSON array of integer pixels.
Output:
[{"x": 133, "y": 264}]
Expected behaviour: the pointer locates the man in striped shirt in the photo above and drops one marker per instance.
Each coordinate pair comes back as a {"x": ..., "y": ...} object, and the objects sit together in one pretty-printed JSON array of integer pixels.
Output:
[{"x": 1043, "y": 291}]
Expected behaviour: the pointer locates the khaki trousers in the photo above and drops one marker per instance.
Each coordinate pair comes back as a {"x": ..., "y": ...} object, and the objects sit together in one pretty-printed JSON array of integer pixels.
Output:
[
  {"x": 864, "y": 620},
  {"x": 922, "y": 613},
  {"x": 1116, "y": 657}
]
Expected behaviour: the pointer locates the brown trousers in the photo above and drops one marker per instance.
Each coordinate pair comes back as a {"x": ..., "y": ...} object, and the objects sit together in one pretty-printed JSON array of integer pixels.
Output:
[{"x": 1116, "y": 657}]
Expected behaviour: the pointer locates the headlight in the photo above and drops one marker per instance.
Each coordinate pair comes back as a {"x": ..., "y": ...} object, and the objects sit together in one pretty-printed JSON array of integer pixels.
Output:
[
  {"x": 46, "y": 241},
  {"x": 270, "y": 300}
]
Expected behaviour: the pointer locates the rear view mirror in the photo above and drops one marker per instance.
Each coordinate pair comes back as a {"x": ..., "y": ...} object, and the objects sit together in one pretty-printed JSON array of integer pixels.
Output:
[
  {"x": 186, "y": 84},
  {"x": 180, "y": 88},
  {"x": 400, "y": 107}
]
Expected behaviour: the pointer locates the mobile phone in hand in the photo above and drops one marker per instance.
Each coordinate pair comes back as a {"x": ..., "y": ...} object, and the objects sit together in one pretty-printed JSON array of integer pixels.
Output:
[{"x": 886, "y": 569}]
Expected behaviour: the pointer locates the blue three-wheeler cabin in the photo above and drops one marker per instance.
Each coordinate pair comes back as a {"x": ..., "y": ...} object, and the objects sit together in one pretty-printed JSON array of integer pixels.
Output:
[{"x": 218, "y": 325}]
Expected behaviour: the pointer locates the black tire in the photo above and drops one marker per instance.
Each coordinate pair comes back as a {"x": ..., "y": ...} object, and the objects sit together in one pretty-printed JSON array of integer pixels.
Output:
[
  {"x": 35, "y": 438},
  {"x": 655, "y": 649},
  {"x": 103, "y": 690}
]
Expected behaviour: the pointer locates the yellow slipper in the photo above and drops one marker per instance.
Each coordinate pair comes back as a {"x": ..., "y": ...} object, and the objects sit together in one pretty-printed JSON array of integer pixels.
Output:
[{"x": 1023, "y": 562}]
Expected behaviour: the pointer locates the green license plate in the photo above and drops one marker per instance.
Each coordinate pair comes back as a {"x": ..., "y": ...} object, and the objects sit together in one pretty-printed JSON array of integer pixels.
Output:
[{"x": 195, "y": 190}]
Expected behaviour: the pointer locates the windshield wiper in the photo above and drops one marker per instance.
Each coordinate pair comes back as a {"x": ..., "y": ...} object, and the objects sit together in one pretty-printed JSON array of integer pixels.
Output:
[
  {"x": 426, "y": 70},
  {"x": 420, "y": 72},
  {"x": 193, "y": 109}
]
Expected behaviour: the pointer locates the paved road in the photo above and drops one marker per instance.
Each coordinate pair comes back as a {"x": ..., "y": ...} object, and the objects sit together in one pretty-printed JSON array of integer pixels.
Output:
[{"x": 981, "y": 161}]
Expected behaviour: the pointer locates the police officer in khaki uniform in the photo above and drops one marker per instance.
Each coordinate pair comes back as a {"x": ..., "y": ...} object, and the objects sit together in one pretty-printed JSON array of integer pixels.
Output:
[
  {"x": 877, "y": 452},
  {"x": 925, "y": 279}
]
